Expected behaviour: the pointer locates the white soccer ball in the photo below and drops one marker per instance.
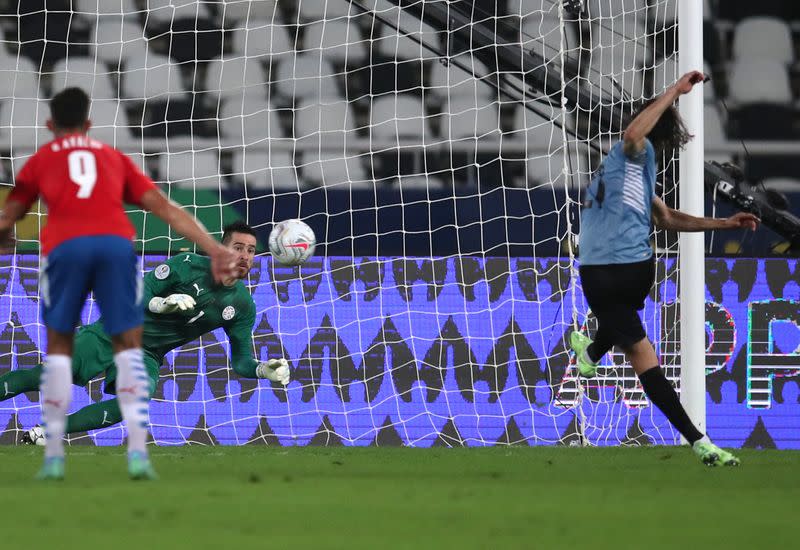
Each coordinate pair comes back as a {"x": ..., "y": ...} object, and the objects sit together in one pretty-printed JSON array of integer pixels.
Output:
[{"x": 292, "y": 242}]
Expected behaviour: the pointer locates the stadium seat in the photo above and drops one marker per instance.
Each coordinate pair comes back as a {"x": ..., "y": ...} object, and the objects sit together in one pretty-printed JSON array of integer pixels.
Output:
[
  {"x": 759, "y": 81},
  {"x": 305, "y": 76},
  {"x": 453, "y": 81},
  {"x": 536, "y": 132},
  {"x": 333, "y": 170},
  {"x": 23, "y": 123},
  {"x": 265, "y": 169},
  {"x": 92, "y": 8},
  {"x": 396, "y": 117},
  {"x": 260, "y": 37},
  {"x": 763, "y": 37},
  {"x": 466, "y": 117},
  {"x": 337, "y": 40},
  {"x": 116, "y": 39},
  {"x": 236, "y": 13},
  {"x": 406, "y": 45},
  {"x": 153, "y": 77},
  {"x": 110, "y": 122},
  {"x": 191, "y": 169},
  {"x": 19, "y": 78},
  {"x": 545, "y": 170},
  {"x": 540, "y": 31},
  {"x": 783, "y": 184},
  {"x": 713, "y": 127},
  {"x": 328, "y": 124},
  {"x": 163, "y": 12},
  {"x": 46, "y": 31},
  {"x": 665, "y": 73},
  {"x": 767, "y": 121},
  {"x": 327, "y": 10},
  {"x": 93, "y": 77},
  {"x": 662, "y": 14},
  {"x": 249, "y": 121},
  {"x": 236, "y": 77},
  {"x": 623, "y": 63}
]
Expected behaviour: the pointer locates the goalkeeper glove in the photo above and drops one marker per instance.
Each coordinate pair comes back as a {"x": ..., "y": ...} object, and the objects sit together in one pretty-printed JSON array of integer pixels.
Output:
[
  {"x": 171, "y": 303},
  {"x": 274, "y": 370}
]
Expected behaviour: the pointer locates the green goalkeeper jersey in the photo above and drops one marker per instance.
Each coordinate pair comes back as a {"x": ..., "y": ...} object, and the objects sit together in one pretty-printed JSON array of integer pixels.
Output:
[{"x": 217, "y": 306}]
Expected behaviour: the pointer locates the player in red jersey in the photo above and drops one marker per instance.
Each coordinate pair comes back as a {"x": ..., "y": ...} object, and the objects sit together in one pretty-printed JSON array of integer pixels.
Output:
[{"x": 87, "y": 246}]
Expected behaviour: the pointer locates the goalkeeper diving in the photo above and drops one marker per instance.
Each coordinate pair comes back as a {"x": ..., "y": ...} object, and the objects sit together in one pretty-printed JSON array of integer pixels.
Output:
[{"x": 182, "y": 304}]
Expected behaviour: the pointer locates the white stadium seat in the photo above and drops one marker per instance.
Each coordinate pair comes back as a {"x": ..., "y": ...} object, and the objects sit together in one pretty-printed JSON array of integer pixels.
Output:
[
  {"x": 406, "y": 44},
  {"x": 759, "y": 81},
  {"x": 116, "y": 38},
  {"x": 714, "y": 129},
  {"x": 237, "y": 12},
  {"x": 541, "y": 32},
  {"x": 23, "y": 123},
  {"x": 336, "y": 40},
  {"x": 93, "y": 77},
  {"x": 19, "y": 78},
  {"x": 464, "y": 117},
  {"x": 333, "y": 170},
  {"x": 163, "y": 12},
  {"x": 763, "y": 37},
  {"x": 249, "y": 121},
  {"x": 262, "y": 169},
  {"x": 328, "y": 10},
  {"x": 153, "y": 77},
  {"x": 307, "y": 75},
  {"x": 665, "y": 73},
  {"x": 323, "y": 124},
  {"x": 91, "y": 8},
  {"x": 236, "y": 77},
  {"x": 452, "y": 81},
  {"x": 261, "y": 37},
  {"x": 110, "y": 122},
  {"x": 191, "y": 169},
  {"x": 399, "y": 117}
]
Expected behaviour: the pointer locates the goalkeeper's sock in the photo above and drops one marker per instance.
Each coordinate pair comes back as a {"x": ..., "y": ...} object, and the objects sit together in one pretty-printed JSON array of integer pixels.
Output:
[
  {"x": 19, "y": 381},
  {"x": 133, "y": 396},
  {"x": 663, "y": 396},
  {"x": 56, "y": 389},
  {"x": 92, "y": 417}
]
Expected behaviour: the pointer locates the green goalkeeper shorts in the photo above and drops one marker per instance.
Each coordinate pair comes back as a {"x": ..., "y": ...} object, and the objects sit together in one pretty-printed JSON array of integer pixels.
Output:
[{"x": 93, "y": 356}]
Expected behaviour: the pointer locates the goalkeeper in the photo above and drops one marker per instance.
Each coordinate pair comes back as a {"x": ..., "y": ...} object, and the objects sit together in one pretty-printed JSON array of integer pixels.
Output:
[{"x": 183, "y": 303}]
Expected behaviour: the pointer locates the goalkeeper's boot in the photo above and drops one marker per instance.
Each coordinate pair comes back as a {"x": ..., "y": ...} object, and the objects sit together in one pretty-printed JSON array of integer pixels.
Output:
[
  {"x": 578, "y": 341},
  {"x": 52, "y": 469},
  {"x": 711, "y": 455},
  {"x": 139, "y": 467},
  {"x": 34, "y": 436}
]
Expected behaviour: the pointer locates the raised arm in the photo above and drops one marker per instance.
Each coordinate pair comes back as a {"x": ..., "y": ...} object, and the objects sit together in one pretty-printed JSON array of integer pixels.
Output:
[
  {"x": 222, "y": 259},
  {"x": 670, "y": 219},
  {"x": 641, "y": 126}
]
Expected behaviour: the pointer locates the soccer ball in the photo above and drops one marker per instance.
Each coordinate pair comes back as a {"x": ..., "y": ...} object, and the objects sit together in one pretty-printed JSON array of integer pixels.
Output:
[{"x": 292, "y": 242}]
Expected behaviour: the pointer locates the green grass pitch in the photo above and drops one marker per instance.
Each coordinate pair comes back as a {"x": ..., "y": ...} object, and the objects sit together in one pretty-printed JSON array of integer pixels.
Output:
[{"x": 271, "y": 497}]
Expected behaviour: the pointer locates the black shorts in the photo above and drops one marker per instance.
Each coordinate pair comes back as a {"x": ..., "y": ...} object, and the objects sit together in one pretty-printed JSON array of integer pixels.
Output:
[{"x": 616, "y": 293}]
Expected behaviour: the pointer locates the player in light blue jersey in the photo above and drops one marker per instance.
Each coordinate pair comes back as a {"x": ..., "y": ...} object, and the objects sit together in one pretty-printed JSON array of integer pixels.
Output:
[{"x": 617, "y": 268}]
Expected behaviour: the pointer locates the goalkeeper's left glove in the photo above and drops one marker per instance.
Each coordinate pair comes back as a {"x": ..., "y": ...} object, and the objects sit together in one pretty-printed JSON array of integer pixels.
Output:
[{"x": 274, "y": 370}]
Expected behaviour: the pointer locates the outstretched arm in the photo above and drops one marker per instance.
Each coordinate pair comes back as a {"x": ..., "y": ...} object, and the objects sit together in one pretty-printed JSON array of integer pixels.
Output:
[
  {"x": 222, "y": 259},
  {"x": 244, "y": 364},
  {"x": 641, "y": 126},
  {"x": 668, "y": 218}
]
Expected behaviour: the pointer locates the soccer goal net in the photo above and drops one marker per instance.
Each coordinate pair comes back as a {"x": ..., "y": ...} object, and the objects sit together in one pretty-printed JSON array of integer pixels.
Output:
[{"x": 443, "y": 184}]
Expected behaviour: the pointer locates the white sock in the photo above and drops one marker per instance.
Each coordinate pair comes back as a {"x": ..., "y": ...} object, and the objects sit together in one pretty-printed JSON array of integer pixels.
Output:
[
  {"x": 133, "y": 396},
  {"x": 704, "y": 439},
  {"x": 56, "y": 395}
]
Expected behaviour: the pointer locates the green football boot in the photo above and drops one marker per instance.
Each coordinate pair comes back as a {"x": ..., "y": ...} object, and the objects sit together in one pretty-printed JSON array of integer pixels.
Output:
[
  {"x": 711, "y": 455},
  {"x": 52, "y": 469},
  {"x": 139, "y": 467},
  {"x": 578, "y": 341}
]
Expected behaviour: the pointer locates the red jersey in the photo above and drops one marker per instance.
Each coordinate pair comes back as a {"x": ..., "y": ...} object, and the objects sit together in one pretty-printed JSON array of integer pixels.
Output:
[{"x": 84, "y": 183}]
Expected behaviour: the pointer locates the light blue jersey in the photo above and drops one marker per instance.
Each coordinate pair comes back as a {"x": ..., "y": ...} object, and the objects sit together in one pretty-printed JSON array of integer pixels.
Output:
[{"x": 615, "y": 219}]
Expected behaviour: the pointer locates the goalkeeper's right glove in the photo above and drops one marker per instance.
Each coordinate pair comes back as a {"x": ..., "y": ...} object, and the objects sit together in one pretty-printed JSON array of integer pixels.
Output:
[
  {"x": 274, "y": 370},
  {"x": 171, "y": 303}
]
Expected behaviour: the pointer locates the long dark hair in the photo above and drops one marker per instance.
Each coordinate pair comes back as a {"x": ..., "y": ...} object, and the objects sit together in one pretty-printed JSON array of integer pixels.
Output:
[{"x": 670, "y": 132}]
